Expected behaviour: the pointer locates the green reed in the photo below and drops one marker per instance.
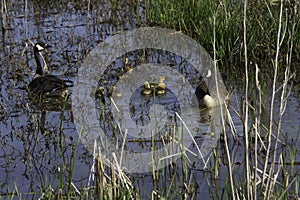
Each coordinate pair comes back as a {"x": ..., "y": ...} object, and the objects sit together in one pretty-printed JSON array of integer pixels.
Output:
[{"x": 195, "y": 18}]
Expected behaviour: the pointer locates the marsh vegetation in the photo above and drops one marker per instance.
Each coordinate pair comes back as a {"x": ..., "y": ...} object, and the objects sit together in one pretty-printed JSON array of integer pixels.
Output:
[{"x": 256, "y": 47}]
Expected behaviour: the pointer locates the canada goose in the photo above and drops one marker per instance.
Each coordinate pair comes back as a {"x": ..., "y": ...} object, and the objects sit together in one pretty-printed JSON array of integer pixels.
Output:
[
  {"x": 46, "y": 85},
  {"x": 202, "y": 93},
  {"x": 208, "y": 101},
  {"x": 40, "y": 47}
]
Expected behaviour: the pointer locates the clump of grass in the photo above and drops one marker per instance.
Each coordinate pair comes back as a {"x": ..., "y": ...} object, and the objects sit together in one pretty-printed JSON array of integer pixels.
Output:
[
  {"x": 107, "y": 180},
  {"x": 196, "y": 18},
  {"x": 265, "y": 174}
]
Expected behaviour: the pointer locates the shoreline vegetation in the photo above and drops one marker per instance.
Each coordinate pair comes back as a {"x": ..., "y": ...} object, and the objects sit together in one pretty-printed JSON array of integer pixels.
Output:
[{"x": 258, "y": 41}]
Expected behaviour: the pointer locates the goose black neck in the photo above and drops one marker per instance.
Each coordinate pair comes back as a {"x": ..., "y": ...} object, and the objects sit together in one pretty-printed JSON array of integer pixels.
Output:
[{"x": 39, "y": 69}]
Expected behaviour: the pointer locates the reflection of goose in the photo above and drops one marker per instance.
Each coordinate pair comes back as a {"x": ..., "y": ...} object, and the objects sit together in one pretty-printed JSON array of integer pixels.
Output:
[
  {"x": 156, "y": 88},
  {"x": 47, "y": 85}
]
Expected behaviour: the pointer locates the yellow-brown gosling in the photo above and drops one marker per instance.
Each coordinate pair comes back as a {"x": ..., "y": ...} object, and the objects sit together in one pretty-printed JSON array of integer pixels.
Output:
[
  {"x": 160, "y": 91},
  {"x": 147, "y": 89},
  {"x": 100, "y": 91},
  {"x": 128, "y": 68},
  {"x": 161, "y": 86},
  {"x": 115, "y": 90}
]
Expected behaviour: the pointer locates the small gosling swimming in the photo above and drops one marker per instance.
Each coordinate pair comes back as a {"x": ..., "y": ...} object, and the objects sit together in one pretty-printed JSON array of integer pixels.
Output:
[{"x": 156, "y": 88}]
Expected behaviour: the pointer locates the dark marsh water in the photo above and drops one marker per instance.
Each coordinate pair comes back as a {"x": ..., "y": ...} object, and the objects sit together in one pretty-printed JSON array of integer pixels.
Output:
[{"x": 34, "y": 145}]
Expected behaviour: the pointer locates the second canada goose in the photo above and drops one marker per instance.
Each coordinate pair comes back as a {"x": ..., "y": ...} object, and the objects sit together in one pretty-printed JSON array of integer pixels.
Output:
[
  {"x": 208, "y": 101},
  {"x": 202, "y": 93},
  {"x": 46, "y": 85}
]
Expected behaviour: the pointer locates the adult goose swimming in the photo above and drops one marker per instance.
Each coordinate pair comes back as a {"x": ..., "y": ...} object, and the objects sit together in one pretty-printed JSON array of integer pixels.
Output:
[
  {"x": 203, "y": 94},
  {"x": 46, "y": 85}
]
